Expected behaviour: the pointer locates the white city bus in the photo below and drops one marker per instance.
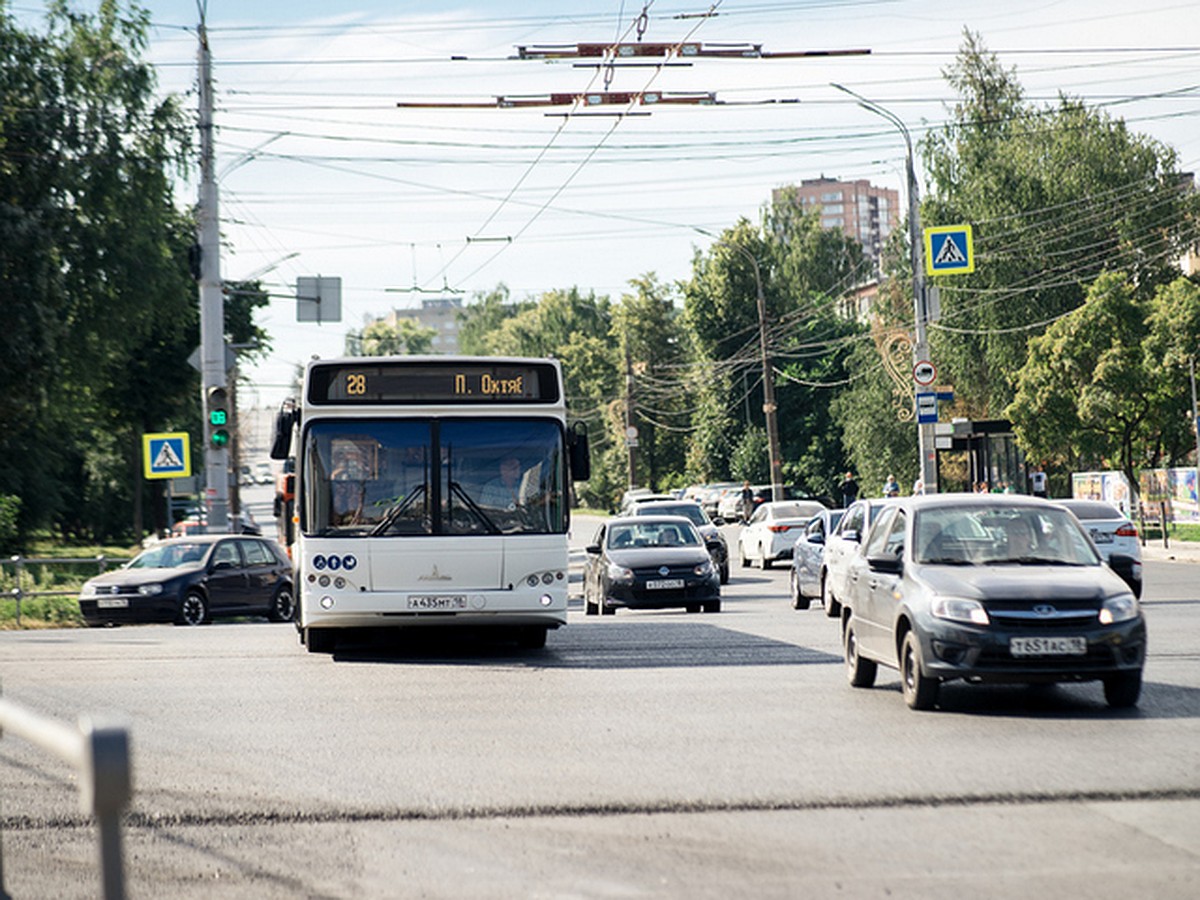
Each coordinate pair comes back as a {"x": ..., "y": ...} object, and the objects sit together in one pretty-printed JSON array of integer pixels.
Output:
[{"x": 431, "y": 490}]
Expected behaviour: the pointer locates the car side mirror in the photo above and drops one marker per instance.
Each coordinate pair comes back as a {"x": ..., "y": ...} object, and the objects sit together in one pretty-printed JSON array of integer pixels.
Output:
[
  {"x": 816, "y": 539},
  {"x": 851, "y": 534},
  {"x": 1125, "y": 567},
  {"x": 592, "y": 549},
  {"x": 888, "y": 563},
  {"x": 718, "y": 521}
]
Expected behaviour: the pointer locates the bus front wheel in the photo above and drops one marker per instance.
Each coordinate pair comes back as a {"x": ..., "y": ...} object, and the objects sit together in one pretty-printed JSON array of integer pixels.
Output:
[{"x": 319, "y": 640}]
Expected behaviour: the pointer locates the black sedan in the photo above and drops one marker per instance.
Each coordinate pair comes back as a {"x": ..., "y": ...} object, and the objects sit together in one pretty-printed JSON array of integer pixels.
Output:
[
  {"x": 989, "y": 588},
  {"x": 189, "y": 581},
  {"x": 649, "y": 562}
]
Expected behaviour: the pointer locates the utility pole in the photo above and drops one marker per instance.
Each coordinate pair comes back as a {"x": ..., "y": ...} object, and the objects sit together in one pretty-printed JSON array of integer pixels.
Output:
[
  {"x": 212, "y": 312},
  {"x": 630, "y": 429},
  {"x": 770, "y": 409},
  {"x": 926, "y": 442}
]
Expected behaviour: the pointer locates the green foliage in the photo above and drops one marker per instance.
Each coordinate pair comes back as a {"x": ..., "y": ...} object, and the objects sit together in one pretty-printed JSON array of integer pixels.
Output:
[
  {"x": 406, "y": 337},
  {"x": 1085, "y": 389},
  {"x": 1057, "y": 194},
  {"x": 95, "y": 291},
  {"x": 748, "y": 461},
  {"x": 10, "y": 507}
]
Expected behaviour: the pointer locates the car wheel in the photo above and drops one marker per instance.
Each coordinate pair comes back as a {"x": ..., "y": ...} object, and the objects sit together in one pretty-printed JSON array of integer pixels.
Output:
[
  {"x": 763, "y": 557},
  {"x": 283, "y": 605},
  {"x": 605, "y": 609},
  {"x": 193, "y": 610},
  {"x": 1121, "y": 691},
  {"x": 860, "y": 672},
  {"x": 725, "y": 573},
  {"x": 742, "y": 554},
  {"x": 799, "y": 601},
  {"x": 920, "y": 691},
  {"x": 832, "y": 608},
  {"x": 320, "y": 640},
  {"x": 692, "y": 607},
  {"x": 712, "y": 606}
]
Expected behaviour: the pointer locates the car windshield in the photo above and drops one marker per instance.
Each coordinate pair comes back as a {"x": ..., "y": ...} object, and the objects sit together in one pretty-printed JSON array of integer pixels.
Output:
[
  {"x": 687, "y": 510},
  {"x": 170, "y": 556},
  {"x": 628, "y": 536},
  {"x": 996, "y": 535}
]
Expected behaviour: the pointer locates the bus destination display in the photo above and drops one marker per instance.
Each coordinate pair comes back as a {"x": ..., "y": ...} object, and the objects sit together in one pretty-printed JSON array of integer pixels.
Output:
[{"x": 425, "y": 383}]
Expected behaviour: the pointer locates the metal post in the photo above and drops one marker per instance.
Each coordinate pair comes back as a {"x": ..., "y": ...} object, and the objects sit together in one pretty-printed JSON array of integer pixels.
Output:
[
  {"x": 926, "y": 441},
  {"x": 212, "y": 301},
  {"x": 1195, "y": 421}
]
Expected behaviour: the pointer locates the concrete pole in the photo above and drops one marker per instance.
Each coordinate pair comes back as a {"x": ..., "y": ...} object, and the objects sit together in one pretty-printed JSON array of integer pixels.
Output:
[
  {"x": 212, "y": 302},
  {"x": 926, "y": 441}
]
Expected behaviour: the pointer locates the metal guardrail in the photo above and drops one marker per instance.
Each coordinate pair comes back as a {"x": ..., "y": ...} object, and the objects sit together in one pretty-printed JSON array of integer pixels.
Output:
[
  {"x": 19, "y": 563},
  {"x": 99, "y": 751}
]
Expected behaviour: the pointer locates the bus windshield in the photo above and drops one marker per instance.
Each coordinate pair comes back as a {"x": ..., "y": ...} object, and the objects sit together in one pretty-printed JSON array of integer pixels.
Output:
[{"x": 423, "y": 476}]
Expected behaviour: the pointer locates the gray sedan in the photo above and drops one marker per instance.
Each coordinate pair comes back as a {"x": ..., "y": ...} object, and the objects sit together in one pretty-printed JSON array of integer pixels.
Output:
[{"x": 808, "y": 555}]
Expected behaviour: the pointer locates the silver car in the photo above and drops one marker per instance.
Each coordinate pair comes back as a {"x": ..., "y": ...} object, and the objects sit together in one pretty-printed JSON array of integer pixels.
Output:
[
  {"x": 807, "y": 556},
  {"x": 842, "y": 545}
]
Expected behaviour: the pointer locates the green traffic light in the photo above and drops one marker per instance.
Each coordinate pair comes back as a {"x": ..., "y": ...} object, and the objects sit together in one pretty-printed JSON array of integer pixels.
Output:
[{"x": 220, "y": 438}]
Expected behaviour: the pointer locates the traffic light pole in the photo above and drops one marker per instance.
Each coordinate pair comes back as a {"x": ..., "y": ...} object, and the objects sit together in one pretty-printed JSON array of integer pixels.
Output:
[{"x": 212, "y": 311}]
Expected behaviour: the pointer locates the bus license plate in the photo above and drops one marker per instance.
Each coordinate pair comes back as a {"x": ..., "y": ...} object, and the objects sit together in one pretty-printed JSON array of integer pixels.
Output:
[
  {"x": 1048, "y": 646},
  {"x": 437, "y": 601},
  {"x": 112, "y": 603},
  {"x": 661, "y": 583}
]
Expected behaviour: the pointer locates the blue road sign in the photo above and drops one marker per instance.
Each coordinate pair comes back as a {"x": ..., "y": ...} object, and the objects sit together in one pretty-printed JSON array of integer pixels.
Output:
[
  {"x": 166, "y": 455},
  {"x": 926, "y": 407},
  {"x": 948, "y": 250}
]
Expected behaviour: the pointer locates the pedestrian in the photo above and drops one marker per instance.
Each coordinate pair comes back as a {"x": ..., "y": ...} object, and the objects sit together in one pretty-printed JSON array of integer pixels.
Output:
[
  {"x": 1037, "y": 482},
  {"x": 982, "y": 488},
  {"x": 918, "y": 487},
  {"x": 849, "y": 490},
  {"x": 891, "y": 488},
  {"x": 747, "y": 500}
]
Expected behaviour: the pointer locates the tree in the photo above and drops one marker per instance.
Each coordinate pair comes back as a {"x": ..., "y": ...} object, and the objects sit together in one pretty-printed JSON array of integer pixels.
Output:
[
  {"x": 1056, "y": 194},
  {"x": 407, "y": 337},
  {"x": 1086, "y": 393},
  {"x": 92, "y": 244}
]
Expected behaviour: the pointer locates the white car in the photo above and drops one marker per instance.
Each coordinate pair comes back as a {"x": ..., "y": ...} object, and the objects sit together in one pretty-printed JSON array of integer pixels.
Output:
[
  {"x": 772, "y": 530},
  {"x": 1111, "y": 531},
  {"x": 842, "y": 545}
]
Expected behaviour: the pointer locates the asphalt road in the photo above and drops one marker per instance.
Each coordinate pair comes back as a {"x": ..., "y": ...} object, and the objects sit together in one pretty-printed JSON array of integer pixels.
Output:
[{"x": 652, "y": 754}]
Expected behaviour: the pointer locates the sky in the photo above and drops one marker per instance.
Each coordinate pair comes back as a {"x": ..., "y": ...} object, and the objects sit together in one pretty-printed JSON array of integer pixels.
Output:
[{"x": 322, "y": 173}]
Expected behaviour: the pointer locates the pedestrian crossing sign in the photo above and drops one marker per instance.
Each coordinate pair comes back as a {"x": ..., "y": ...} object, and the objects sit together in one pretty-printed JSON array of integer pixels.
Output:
[
  {"x": 167, "y": 455},
  {"x": 948, "y": 250}
]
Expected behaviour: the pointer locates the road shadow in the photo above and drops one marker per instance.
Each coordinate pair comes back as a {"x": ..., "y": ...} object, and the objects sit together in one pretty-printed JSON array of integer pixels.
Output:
[
  {"x": 630, "y": 644},
  {"x": 1068, "y": 700}
]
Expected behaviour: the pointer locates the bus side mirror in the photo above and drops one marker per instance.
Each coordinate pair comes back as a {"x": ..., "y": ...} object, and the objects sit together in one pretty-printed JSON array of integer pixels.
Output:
[
  {"x": 285, "y": 421},
  {"x": 580, "y": 455}
]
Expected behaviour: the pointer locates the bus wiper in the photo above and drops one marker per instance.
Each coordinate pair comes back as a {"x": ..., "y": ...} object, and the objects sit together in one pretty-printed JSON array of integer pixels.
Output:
[
  {"x": 390, "y": 517},
  {"x": 457, "y": 490}
]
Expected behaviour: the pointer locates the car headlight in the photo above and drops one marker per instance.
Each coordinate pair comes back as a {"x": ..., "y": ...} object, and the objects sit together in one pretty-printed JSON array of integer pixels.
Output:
[
  {"x": 704, "y": 568},
  {"x": 958, "y": 609},
  {"x": 88, "y": 590},
  {"x": 619, "y": 573},
  {"x": 149, "y": 590},
  {"x": 1118, "y": 609}
]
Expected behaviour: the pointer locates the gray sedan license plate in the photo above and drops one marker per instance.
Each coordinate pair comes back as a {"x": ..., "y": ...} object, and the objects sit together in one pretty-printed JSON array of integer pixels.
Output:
[
  {"x": 437, "y": 601},
  {"x": 660, "y": 583},
  {"x": 1048, "y": 646}
]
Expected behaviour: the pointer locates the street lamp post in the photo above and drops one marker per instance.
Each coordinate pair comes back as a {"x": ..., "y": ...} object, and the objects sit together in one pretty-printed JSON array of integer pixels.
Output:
[
  {"x": 770, "y": 409},
  {"x": 925, "y": 431}
]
